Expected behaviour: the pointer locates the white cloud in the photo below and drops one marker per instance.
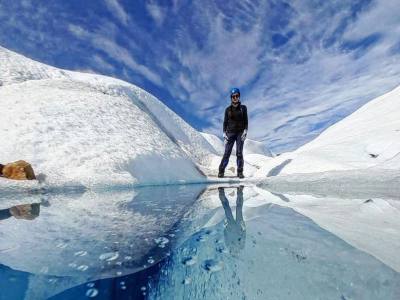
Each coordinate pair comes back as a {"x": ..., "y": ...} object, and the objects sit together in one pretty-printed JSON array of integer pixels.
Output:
[
  {"x": 383, "y": 17},
  {"x": 102, "y": 64},
  {"x": 157, "y": 12},
  {"x": 78, "y": 31},
  {"x": 123, "y": 55},
  {"x": 225, "y": 58},
  {"x": 292, "y": 92},
  {"x": 118, "y": 11},
  {"x": 298, "y": 89},
  {"x": 103, "y": 40}
]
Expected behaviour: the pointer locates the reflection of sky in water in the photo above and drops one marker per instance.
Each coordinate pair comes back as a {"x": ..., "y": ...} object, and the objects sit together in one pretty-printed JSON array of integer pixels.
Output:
[{"x": 180, "y": 242}]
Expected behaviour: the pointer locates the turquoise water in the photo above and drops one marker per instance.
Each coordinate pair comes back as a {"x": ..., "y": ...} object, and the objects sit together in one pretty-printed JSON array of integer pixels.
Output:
[{"x": 184, "y": 242}]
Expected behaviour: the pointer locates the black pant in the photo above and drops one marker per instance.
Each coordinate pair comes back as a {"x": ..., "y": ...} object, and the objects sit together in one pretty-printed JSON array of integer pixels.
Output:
[{"x": 232, "y": 138}]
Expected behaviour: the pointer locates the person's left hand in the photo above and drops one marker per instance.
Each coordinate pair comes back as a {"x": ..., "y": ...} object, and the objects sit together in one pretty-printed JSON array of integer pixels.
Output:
[
  {"x": 244, "y": 135},
  {"x": 225, "y": 136}
]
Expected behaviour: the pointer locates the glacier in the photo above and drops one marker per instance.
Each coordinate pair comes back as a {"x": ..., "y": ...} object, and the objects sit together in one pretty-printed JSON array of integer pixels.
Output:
[
  {"x": 83, "y": 130},
  {"x": 125, "y": 184}
]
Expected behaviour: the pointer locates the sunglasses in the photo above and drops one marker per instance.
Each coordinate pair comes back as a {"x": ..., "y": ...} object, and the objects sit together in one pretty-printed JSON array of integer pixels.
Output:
[{"x": 235, "y": 96}]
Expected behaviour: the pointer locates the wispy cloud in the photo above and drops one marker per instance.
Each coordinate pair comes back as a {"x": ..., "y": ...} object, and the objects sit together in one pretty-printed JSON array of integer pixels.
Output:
[
  {"x": 298, "y": 73},
  {"x": 122, "y": 55},
  {"x": 157, "y": 12},
  {"x": 217, "y": 57},
  {"x": 118, "y": 11},
  {"x": 302, "y": 65},
  {"x": 329, "y": 85},
  {"x": 104, "y": 41}
]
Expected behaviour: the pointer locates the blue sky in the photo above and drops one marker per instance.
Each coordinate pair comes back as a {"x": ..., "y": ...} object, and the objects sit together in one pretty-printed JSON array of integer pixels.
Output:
[{"x": 301, "y": 65}]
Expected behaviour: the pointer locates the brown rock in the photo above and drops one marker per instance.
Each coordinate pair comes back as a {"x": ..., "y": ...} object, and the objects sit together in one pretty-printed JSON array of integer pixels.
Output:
[{"x": 19, "y": 170}]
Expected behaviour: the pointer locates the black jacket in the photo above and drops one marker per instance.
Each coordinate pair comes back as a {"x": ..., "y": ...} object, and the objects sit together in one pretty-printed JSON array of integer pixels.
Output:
[{"x": 235, "y": 119}]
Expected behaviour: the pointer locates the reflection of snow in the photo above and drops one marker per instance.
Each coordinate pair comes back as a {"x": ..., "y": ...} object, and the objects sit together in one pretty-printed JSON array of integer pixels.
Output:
[
  {"x": 95, "y": 235},
  {"x": 286, "y": 255},
  {"x": 371, "y": 226}
]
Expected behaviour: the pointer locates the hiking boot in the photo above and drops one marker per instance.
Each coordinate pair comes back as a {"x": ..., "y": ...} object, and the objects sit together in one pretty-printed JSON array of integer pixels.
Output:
[
  {"x": 240, "y": 174},
  {"x": 220, "y": 174}
]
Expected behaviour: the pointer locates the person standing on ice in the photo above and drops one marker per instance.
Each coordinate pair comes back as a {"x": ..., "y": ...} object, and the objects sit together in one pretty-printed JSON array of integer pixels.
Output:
[{"x": 235, "y": 131}]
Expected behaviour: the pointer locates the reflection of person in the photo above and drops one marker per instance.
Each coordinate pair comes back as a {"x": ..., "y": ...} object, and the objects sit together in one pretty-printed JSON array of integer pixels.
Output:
[
  {"x": 235, "y": 131},
  {"x": 235, "y": 230},
  {"x": 25, "y": 211}
]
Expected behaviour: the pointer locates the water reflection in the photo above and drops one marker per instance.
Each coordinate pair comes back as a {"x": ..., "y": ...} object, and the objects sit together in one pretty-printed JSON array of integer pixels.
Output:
[
  {"x": 198, "y": 242},
  {"x": 87, "y": 236},
  {"x": 279, "y": 254},
  {"x": 24, "y": 211},
  {"x": 235, "y": 229}
]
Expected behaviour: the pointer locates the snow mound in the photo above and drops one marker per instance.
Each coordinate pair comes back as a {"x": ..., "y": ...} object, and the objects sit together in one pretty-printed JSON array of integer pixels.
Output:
[
  {"x": 367, "y": 139},
  {"x": 84, "y": 129},
  {"x": 215, "y": 142}
]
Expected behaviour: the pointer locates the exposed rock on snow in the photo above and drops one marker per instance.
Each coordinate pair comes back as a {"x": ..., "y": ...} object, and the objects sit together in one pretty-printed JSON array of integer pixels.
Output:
[{"x": 18, "y": 170}]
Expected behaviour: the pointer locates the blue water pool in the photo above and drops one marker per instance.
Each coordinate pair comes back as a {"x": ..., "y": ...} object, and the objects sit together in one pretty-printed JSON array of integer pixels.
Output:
[{"x": 197, "y": 242}]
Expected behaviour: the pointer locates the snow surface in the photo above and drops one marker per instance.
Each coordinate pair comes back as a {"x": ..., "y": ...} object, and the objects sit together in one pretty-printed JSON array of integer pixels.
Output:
[
  {"x": 86, "y": 130},
  {"x": 368, "y": 139},
  {"x": 83, "y": 130}
]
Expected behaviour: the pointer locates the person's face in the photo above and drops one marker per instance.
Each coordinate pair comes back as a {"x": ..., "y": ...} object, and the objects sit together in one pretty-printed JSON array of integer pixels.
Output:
[{"x": 235, "y": 98}]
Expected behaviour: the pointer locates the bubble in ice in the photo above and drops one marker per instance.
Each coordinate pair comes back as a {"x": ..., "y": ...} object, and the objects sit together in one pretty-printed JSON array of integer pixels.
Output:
[
  {"x": 82, "y": 268},
  {"x": 80, "y": 253},
  {"x": 161, "y": 241},
  {"x": 61, "y": 245},
  {"x": 187, "y": 280},
  {"x": 143, "y": 288},
  {"x": 109, "y": 256},
  {"x": 190, "y": 261},
  {"x": 201, "y": 238},
  {"x": 122, "y": 283},
  {"x": 91, "y": 293},
  {"x": 222, "y": 249},
  {"x": 119, "y": 273},
  {"x": 90, "y": 284},
  {"x": 213, "y": 265},
  {"x": 150, "y": 260},
  {"x": 72, "y": 265},
  {"x": 123, "y": 287},
  {"x": 128, "y": 257}
]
